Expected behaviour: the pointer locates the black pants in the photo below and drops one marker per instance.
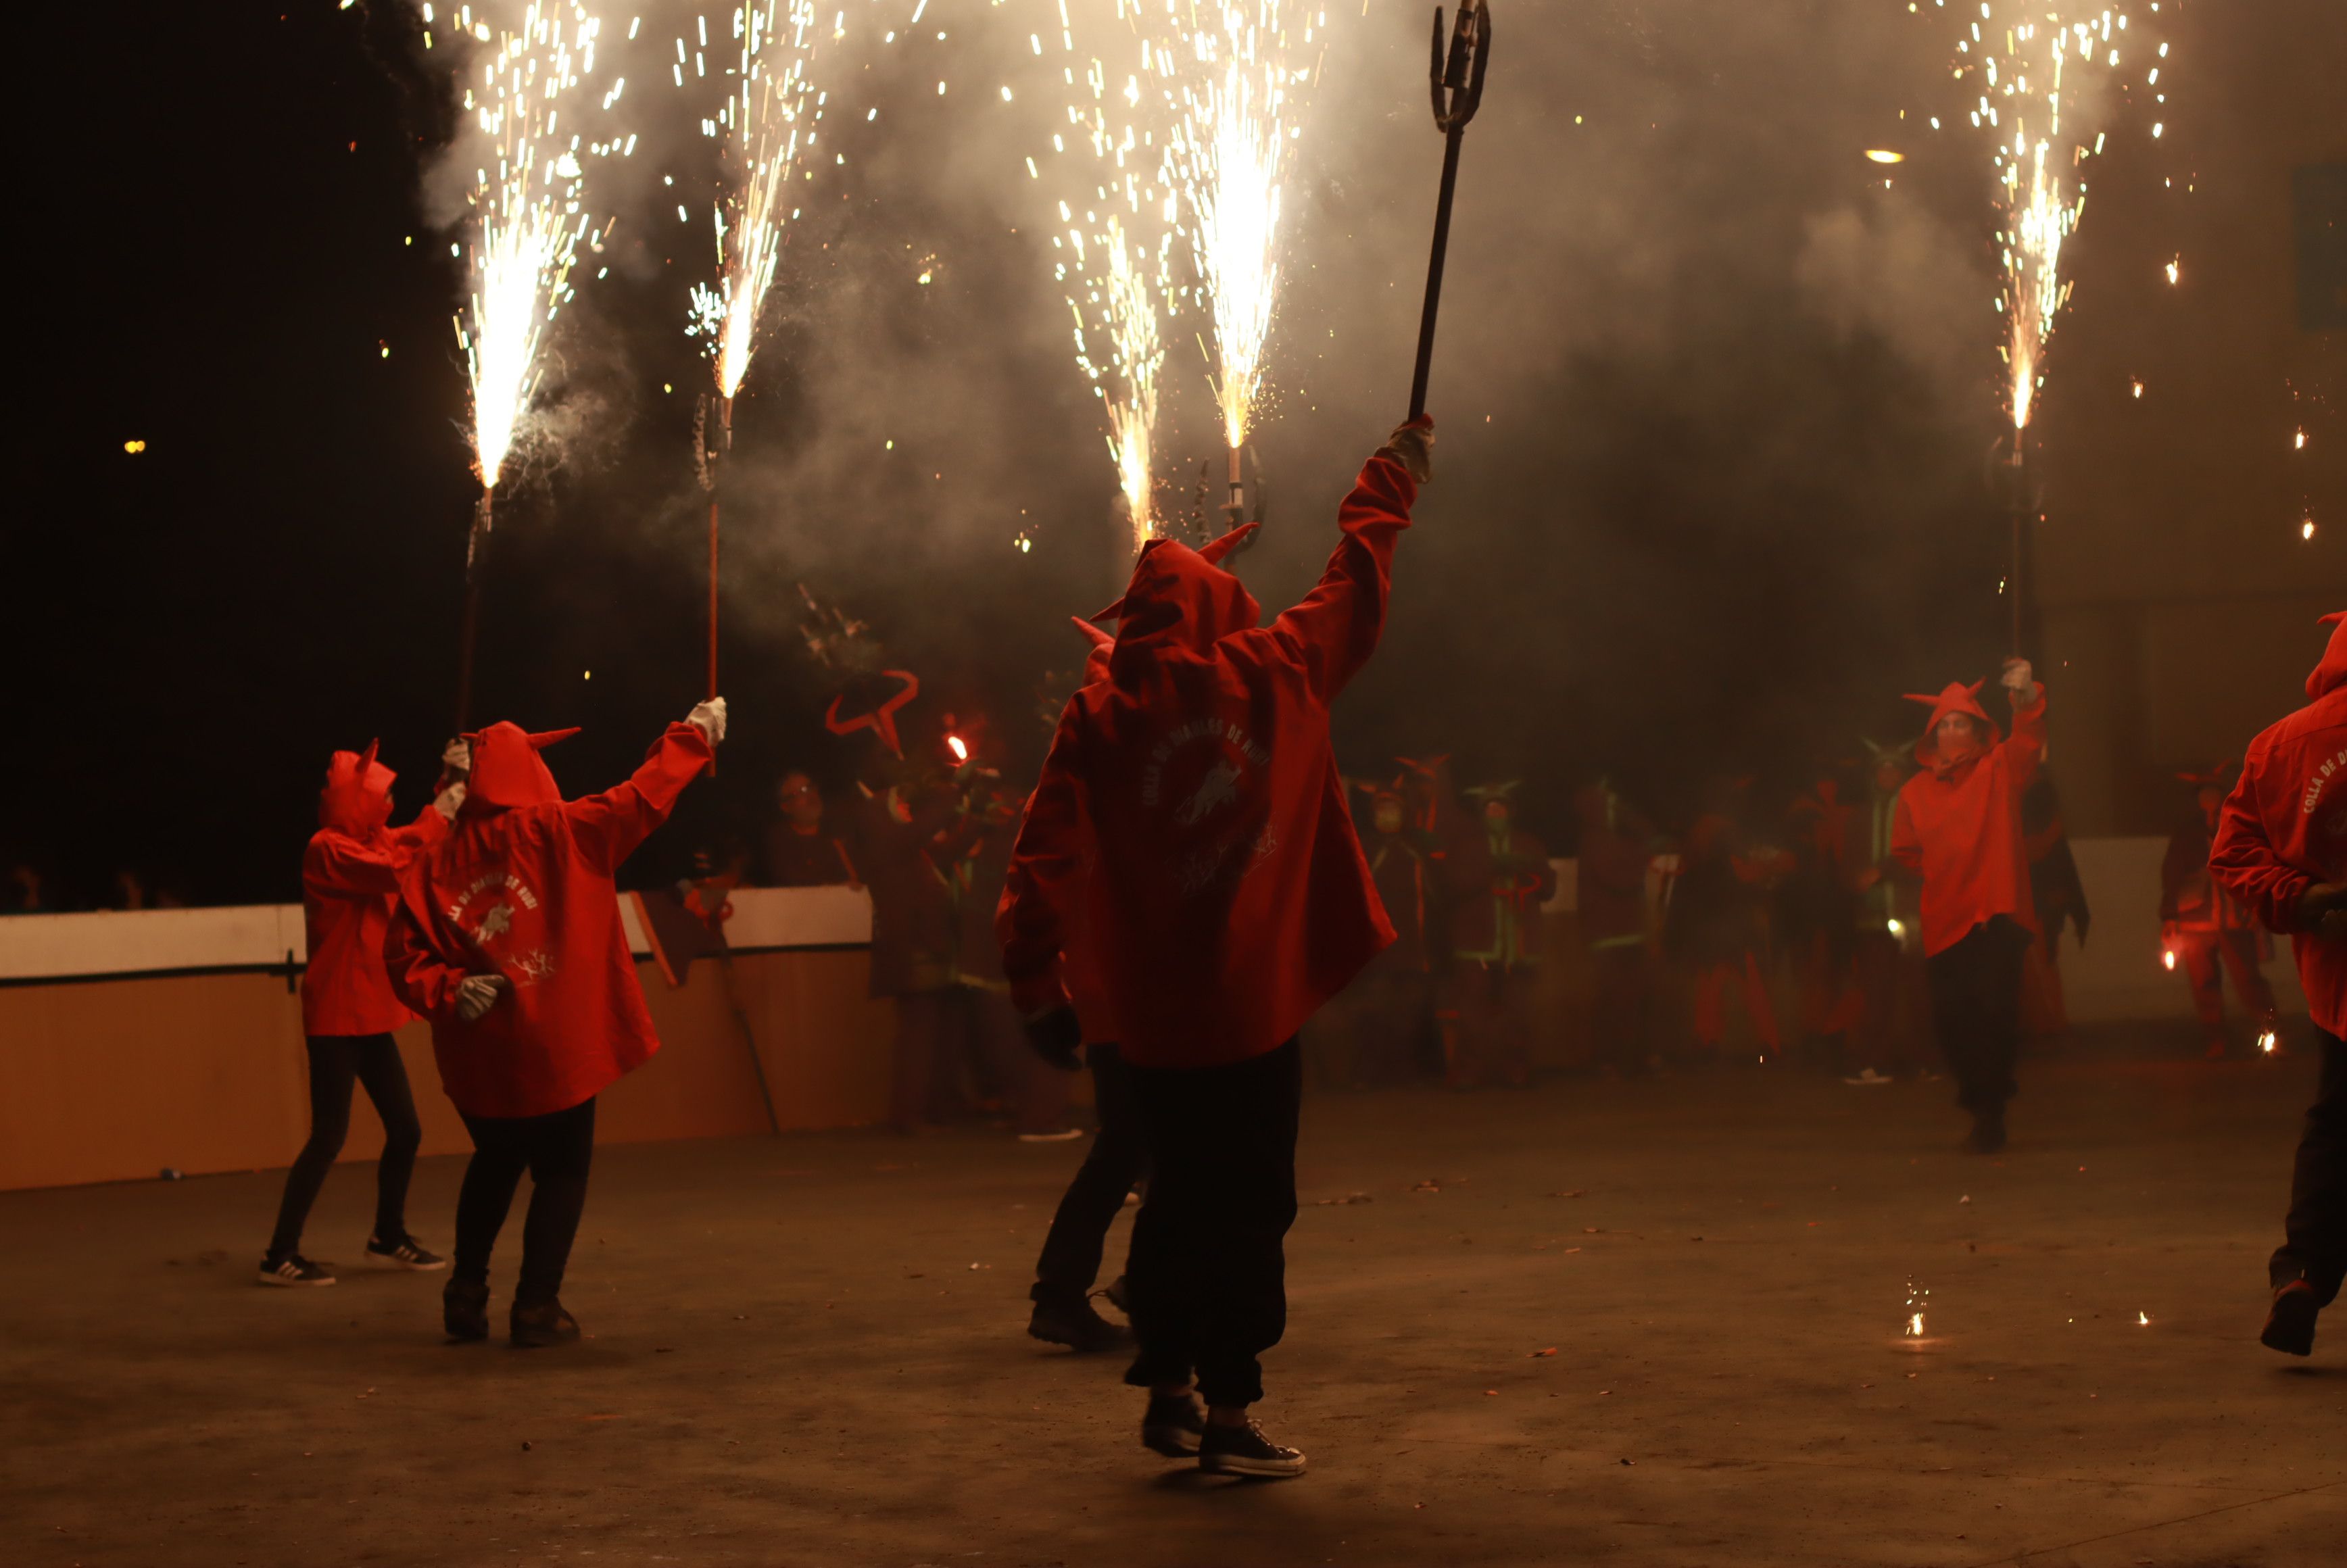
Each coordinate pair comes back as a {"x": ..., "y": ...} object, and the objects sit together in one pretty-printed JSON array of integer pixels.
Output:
[
  {"x": 335, "y": 1060},
  {"x": 1208, "y": 1272},
  {"x": 1119, "y": 1158},
  {"x": 1976, "y": 1012},
  {"x": 555, "y": 1150},
  {"x": 2317, "y": 1228}
]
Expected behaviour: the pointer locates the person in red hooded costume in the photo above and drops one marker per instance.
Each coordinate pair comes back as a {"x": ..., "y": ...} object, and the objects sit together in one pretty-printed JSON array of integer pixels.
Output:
[
  {"x": 1190, "y": 819},
  {"x": 2202, "y": 926},
  {"x": 350, "y": 879},
  {"x": 2281, "y": 850},
  {"x": 507, "y": 938},
  {"x": 1958, "y": 827}
]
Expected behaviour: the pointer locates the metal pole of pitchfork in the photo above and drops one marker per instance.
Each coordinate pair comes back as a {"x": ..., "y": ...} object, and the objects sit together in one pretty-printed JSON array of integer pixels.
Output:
[{"x": 1458, "y": 89}]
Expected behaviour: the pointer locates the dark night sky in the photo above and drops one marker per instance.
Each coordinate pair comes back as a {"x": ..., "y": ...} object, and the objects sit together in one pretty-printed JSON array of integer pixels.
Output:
[{"x": 1719, "y": 517}]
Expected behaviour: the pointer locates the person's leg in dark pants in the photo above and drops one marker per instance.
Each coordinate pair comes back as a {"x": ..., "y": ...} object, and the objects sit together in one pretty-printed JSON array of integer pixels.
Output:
[
  {"x": 500, "y": 1155},
  {"x": 334, "y": 1065},
  {"x": 1976, "y": 1012},
  {"x": 557, "y": 1150},
  {"x": 1071, "y": 1260},
  {"x": 385, "y": 1077},
  {"x": 1209, "y": 1264},
  {"x": 561, "y": 1152}
]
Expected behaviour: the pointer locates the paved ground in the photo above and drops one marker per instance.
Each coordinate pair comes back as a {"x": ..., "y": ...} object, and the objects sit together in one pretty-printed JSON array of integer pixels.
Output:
[{"x": 1653, "y": 1323}]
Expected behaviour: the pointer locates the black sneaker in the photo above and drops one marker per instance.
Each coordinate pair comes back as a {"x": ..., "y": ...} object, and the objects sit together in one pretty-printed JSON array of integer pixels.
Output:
[
  {"x": 404, "y": 1253},
  {"x": 1245, "y": 1450},
  {"x": 541, "y": 1328},
  {"x": 1076, "y": 1326},
  {"x": 295, "y": 1269},
  {"x": 1172, "y": 1425},
  {"x": 2289, "y": 1326},
  {"x": 465, "y": 1308}
]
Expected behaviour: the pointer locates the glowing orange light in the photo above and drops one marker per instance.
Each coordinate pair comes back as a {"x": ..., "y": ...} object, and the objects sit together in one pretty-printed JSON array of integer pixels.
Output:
[
  {"x": 959, "y": 747},
  {"x": 1883, "y": 155}
]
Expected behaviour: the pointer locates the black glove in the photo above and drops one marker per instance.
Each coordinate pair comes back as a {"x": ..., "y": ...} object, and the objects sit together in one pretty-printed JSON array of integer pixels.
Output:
[{"x": 1057, "y": 1037}]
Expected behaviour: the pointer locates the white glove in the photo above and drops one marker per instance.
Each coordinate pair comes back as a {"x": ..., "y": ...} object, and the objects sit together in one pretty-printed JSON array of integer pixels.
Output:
[
  {"x": 477, "y": 994},
  {"x": 458, "y": 760},
  {"x": 2020, "y": 682},
  {"x": 1412, "y": 446},
  {"x": 710, "y": 719},
  {"x": 447, "y": 802}
]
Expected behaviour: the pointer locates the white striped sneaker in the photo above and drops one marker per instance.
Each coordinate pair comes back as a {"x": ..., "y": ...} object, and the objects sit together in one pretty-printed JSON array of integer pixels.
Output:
[
  {"x": 404, "y": 1253},
  {"x": 295, "y": 1269}
]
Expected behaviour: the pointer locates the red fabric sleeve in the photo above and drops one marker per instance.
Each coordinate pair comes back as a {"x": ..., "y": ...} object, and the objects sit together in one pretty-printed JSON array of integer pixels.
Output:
[
  {"x": 1334, "y": 630},
  {"x": 1047, "y": 864},
  {"x": 423, "y": 982},
  {"x": 1906, "y": 843},
  {"x": 339, "y": 866},
  {"x": 428, "y": 829},
  {"x": 607, "y": 827},
  {"x": 2243, "y": 859}
]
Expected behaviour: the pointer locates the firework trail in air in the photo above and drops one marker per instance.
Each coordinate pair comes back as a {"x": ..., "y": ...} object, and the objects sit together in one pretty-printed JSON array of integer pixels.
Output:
[
  {"x": 1113, "y": 245},
  {"x": 2033, "y": 66},
  {"x": 768, "y": 121},
  {"x": 1243, "y": 68},
  {"x": 525, "y": 199}
]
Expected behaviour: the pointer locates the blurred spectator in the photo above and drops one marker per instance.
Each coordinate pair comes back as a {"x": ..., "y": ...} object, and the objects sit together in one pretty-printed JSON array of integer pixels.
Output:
[
  {"x": 800, "y": 852},
  {"x": 129, "y": 891},
  {"x": 2060, "y": 899},
  {"x": 1818, "y": 904},
  {"x": 1615, "y": 851},
  {"x": 1718, "y": 925},
  {"x": 2201, "y": 925},
  {"x": 21, "y": 893},
  {"x": 1368, "y": 1034},
  {"x": 1498, "y": 877}
]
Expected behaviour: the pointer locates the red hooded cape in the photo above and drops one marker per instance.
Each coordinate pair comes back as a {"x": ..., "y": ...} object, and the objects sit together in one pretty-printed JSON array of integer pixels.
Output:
[
  {"x": 1190, "y": 817},
  {"x": 2285, "y": 826},
  {"x": 350, "y": 877},
  {"x": 523, "y": 888},
  {"x": 1958, "y": 823}
]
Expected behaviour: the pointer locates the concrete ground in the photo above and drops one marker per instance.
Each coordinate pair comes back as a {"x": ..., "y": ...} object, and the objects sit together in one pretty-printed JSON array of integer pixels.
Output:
[{"x": 1646, "y": 1322}]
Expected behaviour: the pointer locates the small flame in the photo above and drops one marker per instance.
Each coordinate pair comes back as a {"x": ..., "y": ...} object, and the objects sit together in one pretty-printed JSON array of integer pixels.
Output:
[
  {"x": 1883, "y": 155},
  {"x": 959, "y": 748},
  {"x": 1895, "y": 928},
  {"x": 2167, "y": 960},
  {"x": 2306, "y": 529},
  {"x": 2175, "y": 268},
  {"x": 2143, "y": 1319},
  {"x": 1914, "y": 1325},
  {"x": 2268, "y": 1041}
]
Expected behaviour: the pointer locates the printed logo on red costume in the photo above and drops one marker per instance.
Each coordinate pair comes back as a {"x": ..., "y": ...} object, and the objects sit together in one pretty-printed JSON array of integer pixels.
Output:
[
  {"x": 1206, "y": 776},
  {"x": 499, "y": 915}
]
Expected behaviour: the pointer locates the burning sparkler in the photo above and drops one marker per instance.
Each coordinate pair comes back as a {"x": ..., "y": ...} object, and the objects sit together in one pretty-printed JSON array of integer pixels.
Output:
[
  {"x": 1916, "y": 1296},
  {"x": 1114, "y": 239},
  {"x": 768, "y": 121},
  {"x": 526, "y": 199},
  {"x": 1241, "y": 116}
]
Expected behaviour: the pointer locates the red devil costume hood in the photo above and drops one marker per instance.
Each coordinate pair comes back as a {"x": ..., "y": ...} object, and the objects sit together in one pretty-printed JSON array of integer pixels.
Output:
[
  {"x": 1958, "y": 821},
  {"x": 349, "y": 875},
  {"x": 523, "y": 888},
  {"x": 1226, "y": 897},
  {"x": 2285, "y": 826}
]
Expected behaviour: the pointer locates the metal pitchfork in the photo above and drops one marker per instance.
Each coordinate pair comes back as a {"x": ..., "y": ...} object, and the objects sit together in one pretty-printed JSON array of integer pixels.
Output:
[{"x": 1458, "y": 89}]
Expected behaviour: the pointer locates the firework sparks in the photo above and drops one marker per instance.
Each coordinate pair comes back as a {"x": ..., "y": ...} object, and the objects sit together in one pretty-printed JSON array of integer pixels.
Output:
[
  {"x": 532, "y": 220},
  {"x": 768, "y": 121},
  {"x": 1917, "y": 1296},
  {"x": 1241, "y": 104},
  {"x": 1115, "y": 240},
  {"x": 2032, "y": 68}
]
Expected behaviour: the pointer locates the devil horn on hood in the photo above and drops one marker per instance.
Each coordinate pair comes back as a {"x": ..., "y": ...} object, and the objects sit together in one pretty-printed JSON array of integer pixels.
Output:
[
  {"x": 1092, "y": 634},
  {"x": 542, "y": 739},
  {"x": 2334, "y": 619},
  {"x": 366, "y": 758},
  {"x": 1215, "y": 552}
]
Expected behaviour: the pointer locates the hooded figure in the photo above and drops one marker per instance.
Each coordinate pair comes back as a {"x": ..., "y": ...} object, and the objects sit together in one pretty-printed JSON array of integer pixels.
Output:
[
  {"x": 1615, "y": 849},
  {"x": 1497, "y": 876},
  {"x": 1190, "y": 821},
  {"x": 350, "y": 879},
  {"x": 2208, "y": 931},
  {"x": 507, "y": 938},
  {"x": 1958, "y": 825},
  {"x": 2281, "y": 850},
  {"x": 1370, "y": 1034}
]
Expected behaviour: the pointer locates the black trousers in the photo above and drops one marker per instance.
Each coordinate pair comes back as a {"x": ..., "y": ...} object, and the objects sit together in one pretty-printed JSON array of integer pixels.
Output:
[
  {"x": 2316, "y": 1250},
  {"x": 1208, "y": 1274},
  {"x": 1975, "y": 989},
  {"x": 335, "y": 1061},
  {"x": 1119, "y": 1158},
  {"x": 555, "y": 1150}
]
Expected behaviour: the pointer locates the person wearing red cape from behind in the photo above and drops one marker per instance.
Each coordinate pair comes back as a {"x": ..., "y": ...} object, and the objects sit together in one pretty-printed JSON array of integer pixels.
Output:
[
  {"x": 1958, "y": 825},
  {"x": 1191, "y": 818},
  {"x": 507, "y": 938},
  {"x": 2281, "y": 850},
  {"x": 350, "y": 879}
]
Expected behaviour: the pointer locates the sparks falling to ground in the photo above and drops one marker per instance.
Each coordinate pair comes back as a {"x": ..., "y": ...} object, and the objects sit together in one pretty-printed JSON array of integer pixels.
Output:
[
  {"x": 531, "y": 219},
  {"x": 769, "y": 120},
  {"x": 2034, "y": 65},
  {"x": 1916, "y": 1296},
  {"x": 1245, "y": 66},
  {"x": 1114, "y": 241}
]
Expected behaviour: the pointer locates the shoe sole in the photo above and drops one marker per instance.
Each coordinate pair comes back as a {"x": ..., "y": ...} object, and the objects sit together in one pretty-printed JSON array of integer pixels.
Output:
[
  {"x": 2289, "y": 1328},
  {"x": 294, "y": 1283},
  {"x": 1262, "y": 1469},
  {"x": 380, "y": 1261},
  {"x": 1174, "y": 1443}
]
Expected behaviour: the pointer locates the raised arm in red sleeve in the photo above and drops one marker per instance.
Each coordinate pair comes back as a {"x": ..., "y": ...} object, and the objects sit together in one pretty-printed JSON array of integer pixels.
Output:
[
  {"x": 607, "y": 827},
  {"x": 1046, "y": 880},
  {"x": 2025, "y": 747},
  {"x": 1334, "y": 630}
]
